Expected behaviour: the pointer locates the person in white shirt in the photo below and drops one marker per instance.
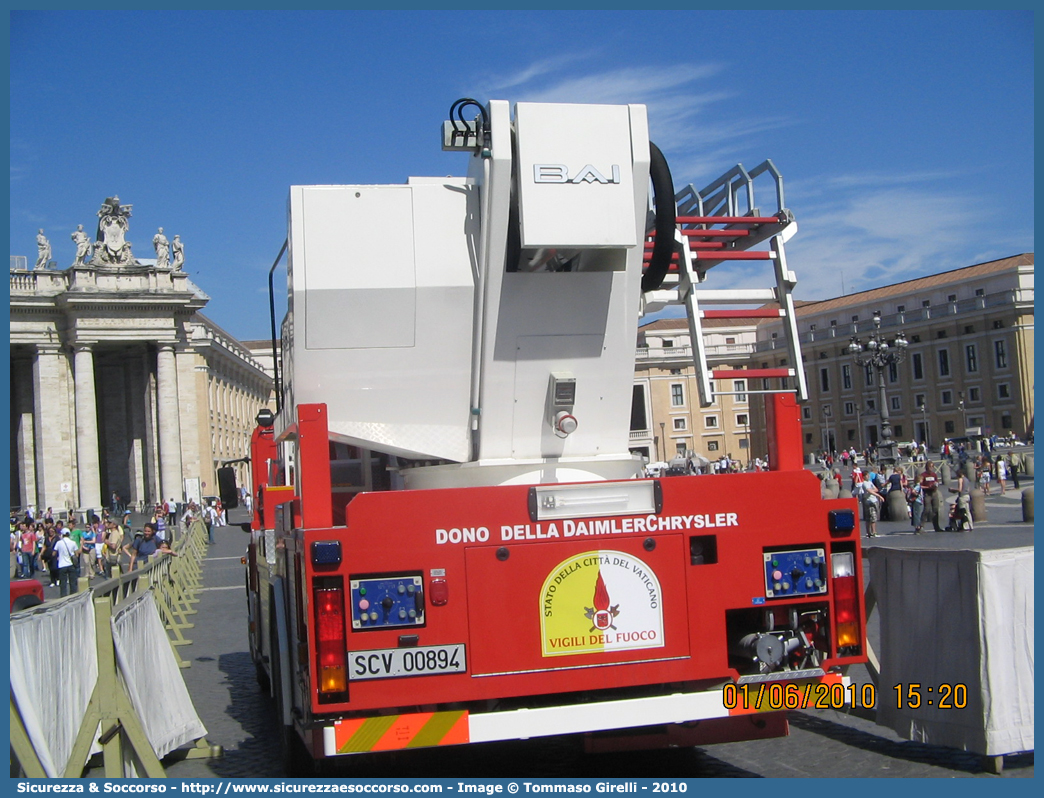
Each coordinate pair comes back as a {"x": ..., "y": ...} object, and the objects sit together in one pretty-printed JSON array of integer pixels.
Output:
[{"x": 67, "y": 552}]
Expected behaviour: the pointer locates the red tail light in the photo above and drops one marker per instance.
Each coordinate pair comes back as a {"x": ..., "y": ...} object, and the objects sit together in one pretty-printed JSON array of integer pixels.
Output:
[
  {"x": 331, "y": 647},
  {"x": 846, "y": 611}
]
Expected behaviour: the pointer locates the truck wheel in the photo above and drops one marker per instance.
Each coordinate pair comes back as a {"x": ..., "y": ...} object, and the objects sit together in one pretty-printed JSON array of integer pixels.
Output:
[
  {"x": 262, "y": 678},
  {"x": 297, "y": 761},
  {"x": 25, "y": 602}
]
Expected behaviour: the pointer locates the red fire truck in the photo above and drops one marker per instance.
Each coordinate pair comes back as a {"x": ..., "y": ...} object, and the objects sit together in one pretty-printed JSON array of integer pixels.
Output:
[{"x": 452, "y": 542}]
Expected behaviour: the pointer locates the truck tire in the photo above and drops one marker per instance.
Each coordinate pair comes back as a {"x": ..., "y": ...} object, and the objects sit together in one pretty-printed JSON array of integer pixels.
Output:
[
  {"x": 256, "y": 648},
  {"x": 297, "y": 761},
  {"x": 25, "y": 602}
]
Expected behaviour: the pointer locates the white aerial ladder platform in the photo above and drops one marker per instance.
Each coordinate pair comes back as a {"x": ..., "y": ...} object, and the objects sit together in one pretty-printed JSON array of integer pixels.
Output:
[{"x": 482, "y": 330}]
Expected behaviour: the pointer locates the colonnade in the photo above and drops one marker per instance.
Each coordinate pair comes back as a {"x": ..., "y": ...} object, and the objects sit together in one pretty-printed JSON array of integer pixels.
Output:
[{"x": 58, "y": 447}]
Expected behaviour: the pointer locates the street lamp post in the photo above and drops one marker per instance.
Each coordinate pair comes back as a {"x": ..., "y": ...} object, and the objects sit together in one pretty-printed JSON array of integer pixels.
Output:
[
  {"x": 927, "y": 438},
  {"x": 879, "y": 354},
  {"x": 663, "y": 442},
  {"x": 964, "y": 415},
  {"x": 746, "y": 432}
]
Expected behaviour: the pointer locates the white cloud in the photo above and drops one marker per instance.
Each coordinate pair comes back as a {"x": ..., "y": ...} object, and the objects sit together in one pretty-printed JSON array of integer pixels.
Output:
[
  {"x": 683, "y": 105},
  {"x": 886, "y": 236}
]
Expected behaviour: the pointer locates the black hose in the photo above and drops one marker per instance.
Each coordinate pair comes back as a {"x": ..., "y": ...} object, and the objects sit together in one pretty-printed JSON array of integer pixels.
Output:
[
  {"x": 271, "y": 311},
  {"x": 666, "y": 215}
]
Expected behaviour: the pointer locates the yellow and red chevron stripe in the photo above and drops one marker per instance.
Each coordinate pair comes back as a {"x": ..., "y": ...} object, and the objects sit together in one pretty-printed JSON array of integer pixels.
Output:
[{"x": 390, "y": 732}]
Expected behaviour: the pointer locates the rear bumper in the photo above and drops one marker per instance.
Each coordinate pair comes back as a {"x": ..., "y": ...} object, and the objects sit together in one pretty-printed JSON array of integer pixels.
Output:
[{"x": 421, "y": 730}]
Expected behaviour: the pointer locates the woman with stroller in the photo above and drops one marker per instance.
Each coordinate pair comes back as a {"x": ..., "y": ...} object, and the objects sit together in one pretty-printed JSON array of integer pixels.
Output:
[{"x": 960, "y": 510}]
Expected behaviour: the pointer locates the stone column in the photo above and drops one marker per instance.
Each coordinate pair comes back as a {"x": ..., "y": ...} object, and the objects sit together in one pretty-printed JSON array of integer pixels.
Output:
[
  {"x": 23, "y": 432},
  {"x": 169, "y": 423},
  {"x": 88, "y": 464}
]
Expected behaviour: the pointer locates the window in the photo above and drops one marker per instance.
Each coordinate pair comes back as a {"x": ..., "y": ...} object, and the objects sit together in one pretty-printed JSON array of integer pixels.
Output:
[
  {"x": 679, "y": 424},
  {"x": 710, "y": 422},
  {"x": 833, "y": 322},
  {"x": 946, "y": 398},
  {"x": 675, "y": 371},
  {"x": 812, "y": 327},
  {"x": 969, "y": 329},
  {"x": 739, "y": 386},
  {"x": 681, "y": 447},
  {"x": 918, "y": 366},
  {"x": 919, "y": 400},
  {"x": 1006, "y": 422},
  {"x": 730, "y": 340},
  {"x": 1003, "y": 391},
  {"x": 668, "y": 343},
  {"x": 712, "y": 446},
  {"x": 742, "y": 419},
  {"x": 944, "y": 362},
  {"x": 677, "y": 396},
  {"x": 948, "y": 426},
  {"x": 824, "y": 380},
  {"x": 868, "y": 375},
  {"x": 806, "y": 412},
  {"x": 951, "y": 298},
  {"x": 927, "y": 303},
  {"x": 828, "y": 411},
  {"x": 900, "y": 308},
  {"x": 915, "y": 339},
  {"x": 851, "y": 434},
  {"x": 744, "y": 443},
  {"x": 975, "y": 421},
  {"x": 898, "y": 430},
  {"x": 808, "y": 437},
  {"x": 971, "y": 358},
  {"x": 1000, "y": 353},
  {"x": 940, "y": 333},
  {"x": 998, "y": 324},
  {"x": 846, "y": 377},
  {"x": 871, "y": 405},
  {"x": 974, "y": 395},
  {"x": 849, "y": 408},
  {"x": 855, "y": 318},
  {"x": 893, "y": 372}
]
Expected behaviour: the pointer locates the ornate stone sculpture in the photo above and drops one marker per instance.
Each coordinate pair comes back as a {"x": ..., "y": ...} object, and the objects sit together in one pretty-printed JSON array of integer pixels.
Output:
[
  {"x": 112, "y": 248},
  {"x": 179, "y": 253},
  {"x": 83, "y": 246},
  {"x": 159, "y": 241},
  {"x": 43, "y": 247}
]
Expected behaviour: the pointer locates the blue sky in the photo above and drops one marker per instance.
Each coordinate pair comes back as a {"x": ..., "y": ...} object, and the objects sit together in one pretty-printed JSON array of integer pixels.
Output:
[{"x": 905, "y": 138}]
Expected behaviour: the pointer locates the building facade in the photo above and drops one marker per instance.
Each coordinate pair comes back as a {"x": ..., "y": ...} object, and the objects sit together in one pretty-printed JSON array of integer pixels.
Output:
[
  {"x": 119, "y": 384},
  {"x": 968, "y": 364},
  {"x": 667, "y": 419}
]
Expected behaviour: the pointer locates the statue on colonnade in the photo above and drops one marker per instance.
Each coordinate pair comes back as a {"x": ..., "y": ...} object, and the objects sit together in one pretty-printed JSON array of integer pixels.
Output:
[
  {"x": 159, "y": 241},
  {"x": 43, "y": 248},
  {"x": 179, "y": 253},
  {"x": 83, "y": 245},
  {"x": 112, "y": 248}
]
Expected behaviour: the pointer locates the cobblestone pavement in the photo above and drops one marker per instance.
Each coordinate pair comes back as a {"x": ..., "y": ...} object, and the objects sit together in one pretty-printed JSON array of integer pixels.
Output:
[{"x": 822, "y": 743}]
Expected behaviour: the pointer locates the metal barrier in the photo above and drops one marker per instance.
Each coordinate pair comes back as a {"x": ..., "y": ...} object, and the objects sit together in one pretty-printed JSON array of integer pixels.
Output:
[{"x": 174, "y": 580}]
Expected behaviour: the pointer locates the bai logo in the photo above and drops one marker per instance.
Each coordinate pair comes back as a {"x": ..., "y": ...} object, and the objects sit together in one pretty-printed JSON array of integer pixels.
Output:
[{"x": 559, "y": 173}]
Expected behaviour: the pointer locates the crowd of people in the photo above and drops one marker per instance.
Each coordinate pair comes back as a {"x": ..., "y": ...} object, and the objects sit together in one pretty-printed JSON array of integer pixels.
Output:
[
  {"x": 101, "y": 548},
  {"x": 923, "y": 496}
]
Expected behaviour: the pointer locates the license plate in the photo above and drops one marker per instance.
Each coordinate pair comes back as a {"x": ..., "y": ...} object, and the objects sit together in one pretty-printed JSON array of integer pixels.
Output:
[{"x": 392, "y": 663}]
